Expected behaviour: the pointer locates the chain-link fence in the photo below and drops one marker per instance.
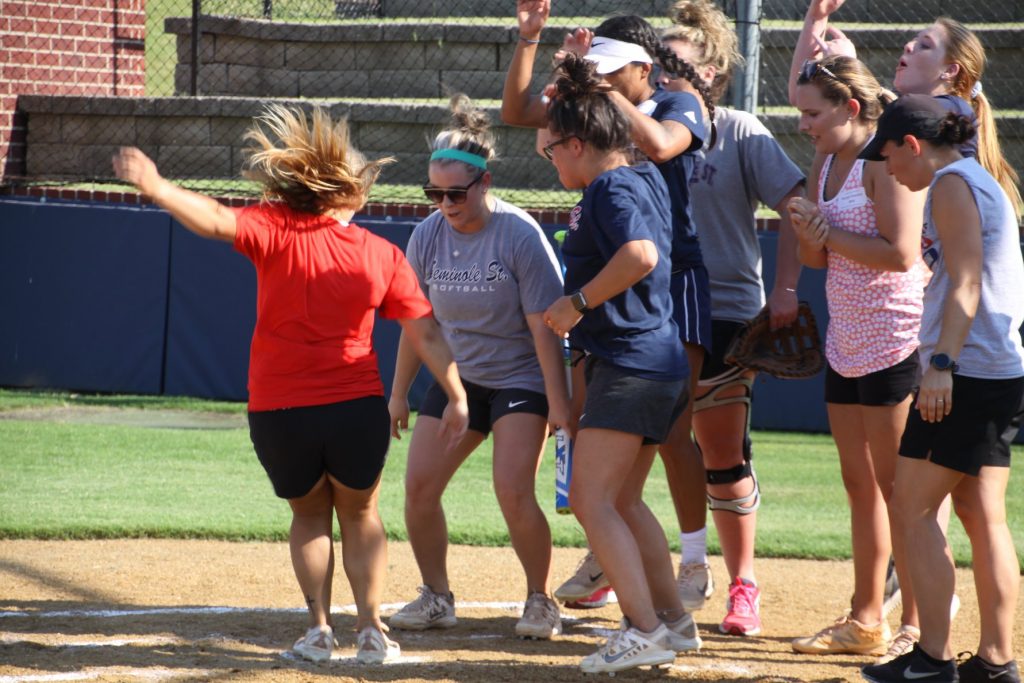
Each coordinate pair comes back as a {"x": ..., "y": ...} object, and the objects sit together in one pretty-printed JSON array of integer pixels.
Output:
[{"x": 390, "y": 66}]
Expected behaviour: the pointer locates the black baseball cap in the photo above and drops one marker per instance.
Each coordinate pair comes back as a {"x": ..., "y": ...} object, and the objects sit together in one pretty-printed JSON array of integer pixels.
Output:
[{"x": 917, "y": 115}]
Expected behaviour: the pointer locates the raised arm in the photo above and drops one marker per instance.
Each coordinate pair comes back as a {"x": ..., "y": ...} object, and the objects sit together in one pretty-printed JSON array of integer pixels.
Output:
[
  {"x": 202, "y": 215},
  {"x": 818, "y": 39},
  {"x": 898, "y": 214},
  {"x": 660, "y": 141},
  {"x": 520, "y": 107},
  {"x": 958, "y": 225}
]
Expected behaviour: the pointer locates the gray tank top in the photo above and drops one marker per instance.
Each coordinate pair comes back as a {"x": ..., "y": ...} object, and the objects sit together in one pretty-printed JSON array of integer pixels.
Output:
[{"x": 993, "y": 347}]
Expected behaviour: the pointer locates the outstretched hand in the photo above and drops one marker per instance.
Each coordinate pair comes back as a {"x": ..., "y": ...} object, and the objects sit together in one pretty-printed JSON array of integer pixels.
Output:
[
  {"x": 132, "y": 166},
  {"x": 532, "y": 15},
  {"x": 837, "y": 45},
  {"x": 824, "y": 8}
]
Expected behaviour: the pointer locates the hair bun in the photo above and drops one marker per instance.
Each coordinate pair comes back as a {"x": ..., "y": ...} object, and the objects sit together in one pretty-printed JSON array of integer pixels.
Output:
[
  {"x": 956, "y": 129},
  {"x": 691, "y": 12},
  {"x": 467, "y": 117},
  {"x": 576, "y": 78}
]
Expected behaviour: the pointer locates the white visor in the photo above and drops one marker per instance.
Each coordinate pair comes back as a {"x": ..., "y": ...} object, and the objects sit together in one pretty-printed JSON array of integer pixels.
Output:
[{"x": 611, "y": 55}]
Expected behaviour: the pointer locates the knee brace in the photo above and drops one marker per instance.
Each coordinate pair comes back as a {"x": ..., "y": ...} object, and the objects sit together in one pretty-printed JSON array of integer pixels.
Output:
[
  {"x": 743, "y": 505},
  {"x": 713, "y": 400}
]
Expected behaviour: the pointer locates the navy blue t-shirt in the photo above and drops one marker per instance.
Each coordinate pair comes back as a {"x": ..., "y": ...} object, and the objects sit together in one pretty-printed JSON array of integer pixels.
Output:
[
  {"x": 684, "y": 108},
  {"x": 633, "y": 330}
]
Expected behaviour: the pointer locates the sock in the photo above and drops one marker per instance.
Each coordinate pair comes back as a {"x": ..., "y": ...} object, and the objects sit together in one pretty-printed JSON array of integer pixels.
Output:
[
  {"x": 694, "y": 546},
  {"x": 932, "y": 660}
]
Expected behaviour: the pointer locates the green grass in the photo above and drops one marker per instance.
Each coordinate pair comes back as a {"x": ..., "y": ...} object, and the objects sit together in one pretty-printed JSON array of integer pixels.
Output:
[{"x": 64, "y": 480}]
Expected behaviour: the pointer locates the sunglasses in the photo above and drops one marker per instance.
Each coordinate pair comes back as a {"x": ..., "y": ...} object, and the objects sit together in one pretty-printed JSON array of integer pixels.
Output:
[
  {"x": 456, "y": 195},
  {"x": 549, "y": 150},
  {"x": 811, "y": 67}
]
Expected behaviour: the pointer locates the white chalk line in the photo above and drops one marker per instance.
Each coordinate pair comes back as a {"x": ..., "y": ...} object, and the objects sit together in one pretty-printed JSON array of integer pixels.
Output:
[
  {"x": 156, "y": 674},
  {"x": 156, "y": 611}
]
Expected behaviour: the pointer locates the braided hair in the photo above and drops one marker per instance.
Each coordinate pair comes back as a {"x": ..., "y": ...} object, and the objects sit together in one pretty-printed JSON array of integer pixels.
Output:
[{"x": 634, "y": 29}]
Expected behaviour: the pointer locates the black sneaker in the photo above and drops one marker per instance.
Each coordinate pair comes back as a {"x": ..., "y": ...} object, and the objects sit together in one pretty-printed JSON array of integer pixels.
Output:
[
  {"x": 977, "y": 669},
  {"x": 893, "y": 596},
  {"x": 912, "y": 666}
]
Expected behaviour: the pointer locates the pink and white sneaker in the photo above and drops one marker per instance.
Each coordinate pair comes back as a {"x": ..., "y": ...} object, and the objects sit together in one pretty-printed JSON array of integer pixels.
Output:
[
  {"x": 743, "y": 609},
  {"x": 597, "y": 599}
]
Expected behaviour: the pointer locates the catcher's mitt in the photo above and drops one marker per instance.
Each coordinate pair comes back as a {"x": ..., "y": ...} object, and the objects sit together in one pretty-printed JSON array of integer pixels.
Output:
[{"x": 792, "y": 352}]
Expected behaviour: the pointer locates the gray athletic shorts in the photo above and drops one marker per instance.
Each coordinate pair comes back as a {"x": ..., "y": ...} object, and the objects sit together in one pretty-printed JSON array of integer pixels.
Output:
[{"x": 627, "y": 403}]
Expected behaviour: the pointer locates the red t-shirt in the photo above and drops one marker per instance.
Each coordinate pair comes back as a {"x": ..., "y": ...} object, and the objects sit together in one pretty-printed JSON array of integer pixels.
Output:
[{"x": 318, "y": 284}]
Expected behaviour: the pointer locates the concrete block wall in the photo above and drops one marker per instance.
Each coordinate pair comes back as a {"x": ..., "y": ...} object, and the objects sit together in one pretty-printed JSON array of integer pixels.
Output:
[{"x": 65, "y": 47}]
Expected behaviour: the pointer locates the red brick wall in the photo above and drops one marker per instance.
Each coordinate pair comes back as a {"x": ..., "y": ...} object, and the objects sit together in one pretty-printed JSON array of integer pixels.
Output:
[{"x": 65, "y": 47}]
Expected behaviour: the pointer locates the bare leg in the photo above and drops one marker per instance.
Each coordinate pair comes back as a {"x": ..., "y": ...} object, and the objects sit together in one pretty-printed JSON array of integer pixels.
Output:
[
  {"x": 428, "y": 471},
  {"x": 919, "y": 490},
  {"x": 869, "y": 523},
  {"x": 684, "y": 468},
  {"x": 605, "y": 460},
  {"x": 364, "y": 551},
  {"x": 981, "y": 506},
  {"x": 312, "y": 549},
  {"x": 518, "y": 449},
  {"x": 650, "y": 539}
]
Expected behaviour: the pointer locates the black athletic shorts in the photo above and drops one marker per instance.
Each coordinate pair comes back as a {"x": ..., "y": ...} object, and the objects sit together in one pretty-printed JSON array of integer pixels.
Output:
[
  {"x": 715, "y": 370},
  {"x": 486, "y": 406},
  {"x": 348, "y": 440},
  {"x": 886, "y": 387},
  {"x": 977, "y": 432},
  {"x": 627, "y": 403}
]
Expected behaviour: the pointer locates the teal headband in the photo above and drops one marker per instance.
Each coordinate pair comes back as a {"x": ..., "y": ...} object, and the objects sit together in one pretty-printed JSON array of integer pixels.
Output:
[{"x": 459, "y": 155}]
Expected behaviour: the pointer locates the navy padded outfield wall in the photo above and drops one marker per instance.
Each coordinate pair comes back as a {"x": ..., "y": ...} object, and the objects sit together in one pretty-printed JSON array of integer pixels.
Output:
[
  {"x": 112, "y": 298},
  {"x": 82, "y": 296}
]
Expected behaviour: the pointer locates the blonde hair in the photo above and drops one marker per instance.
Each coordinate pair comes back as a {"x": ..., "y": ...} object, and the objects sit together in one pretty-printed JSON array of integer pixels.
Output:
[
  {"x": 702, "y": 24},
  {"x": 307, "y": 162},
  {"x": 965, "y": 50},
  {"x": 469, "y": 130},
  {"x": 841, "y": 79}
]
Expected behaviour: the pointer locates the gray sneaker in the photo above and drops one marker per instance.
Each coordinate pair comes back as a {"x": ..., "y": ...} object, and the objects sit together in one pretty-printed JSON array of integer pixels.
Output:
[
  {"x": 681, "y": 635},
  {"x": 541, "y": 618},
  {"x": 589, "y": 578},
  {"x": 430, "y": 610},
  {"x": 695, "y": 584}
]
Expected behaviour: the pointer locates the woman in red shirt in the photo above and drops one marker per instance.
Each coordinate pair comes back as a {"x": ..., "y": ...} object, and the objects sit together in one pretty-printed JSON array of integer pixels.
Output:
[{"x": 317, "y": 415}]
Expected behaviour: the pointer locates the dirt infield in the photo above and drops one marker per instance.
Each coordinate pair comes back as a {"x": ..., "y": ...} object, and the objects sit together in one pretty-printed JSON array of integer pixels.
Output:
[{"x": 144, "y": 610}]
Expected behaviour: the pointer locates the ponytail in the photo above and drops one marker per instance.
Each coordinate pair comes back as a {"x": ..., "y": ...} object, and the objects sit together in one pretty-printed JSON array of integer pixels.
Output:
[{"x": 990, "y": 155}]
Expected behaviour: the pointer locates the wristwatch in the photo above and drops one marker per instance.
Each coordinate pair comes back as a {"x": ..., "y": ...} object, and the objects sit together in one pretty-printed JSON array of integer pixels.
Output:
[
  {"x": 942, "y": 362},
  {"x": 579, "y": 302}
]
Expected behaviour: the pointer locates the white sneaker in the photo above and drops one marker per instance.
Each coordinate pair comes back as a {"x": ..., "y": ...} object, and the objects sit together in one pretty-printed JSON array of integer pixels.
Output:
[
  {"x": 317, "y": 645},
  {"x": 430, "y": 610},
  {"x": 695, "y": 584},
  {"x": 588, "y": 579},
  {"x": 629, "y": 648},
  {"x": 373, "y": 647},
  {"x": 682, "y": 635},
  {"x": 902, "y": 643},
  {"x": 541, "y": 618}
]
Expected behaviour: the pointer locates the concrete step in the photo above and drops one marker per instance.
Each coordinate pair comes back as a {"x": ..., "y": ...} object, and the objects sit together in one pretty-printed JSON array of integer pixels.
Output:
[
  {"x": 911, "y": 11},
  {"x": 245, "y": 57},
  {"x": 201, "y": 137}
]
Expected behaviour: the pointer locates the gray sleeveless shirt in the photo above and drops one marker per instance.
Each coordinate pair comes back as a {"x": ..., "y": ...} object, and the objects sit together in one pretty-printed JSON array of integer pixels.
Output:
[{"x": 993, "y": 346}]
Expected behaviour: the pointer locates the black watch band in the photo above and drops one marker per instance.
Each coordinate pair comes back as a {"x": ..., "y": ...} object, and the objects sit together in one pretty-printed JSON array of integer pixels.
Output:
[
  {"x": 579, "y": 302},
  {"x": 942, "y": 362}
]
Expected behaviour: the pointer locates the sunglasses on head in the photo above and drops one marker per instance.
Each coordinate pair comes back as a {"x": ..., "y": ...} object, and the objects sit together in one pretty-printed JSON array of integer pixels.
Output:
[
  {"x": 456, "y": 195},
  {"x": 549, "y": 149},
  {"x": 811, "y": 67}
]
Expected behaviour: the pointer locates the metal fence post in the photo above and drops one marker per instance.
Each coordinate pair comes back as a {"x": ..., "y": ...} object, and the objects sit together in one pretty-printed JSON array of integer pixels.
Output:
[
  {"x": 748, "y": 26},
  {"x": 194, "y": 76}
]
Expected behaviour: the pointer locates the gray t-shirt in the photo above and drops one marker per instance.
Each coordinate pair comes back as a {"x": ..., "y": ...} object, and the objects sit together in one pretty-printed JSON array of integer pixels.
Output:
[
  {"x": 482, "y": 285},
  {"x": 746, "y": 166},
  {"x": 992, "y": 349}
]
